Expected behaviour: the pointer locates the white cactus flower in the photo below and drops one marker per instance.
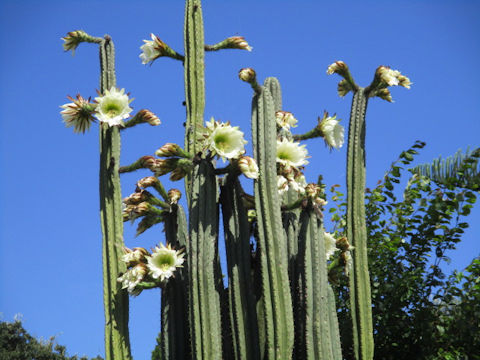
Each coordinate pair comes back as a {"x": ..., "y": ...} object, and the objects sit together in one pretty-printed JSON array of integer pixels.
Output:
[
  {"x": 113, "y": 107},
  {"x": 333, "y": 132},
  {"x": 282, "y": 184},
  {"x": 285, "y": 120},
  {"x": 291, "y": 153},
  {"x": 132, "y": 278},
  {"x": 164, "y": 261},
  {"x": 225, "y": 140},
  {"x": 150, "y": 50},
  {"x": 330, "y": 245}
]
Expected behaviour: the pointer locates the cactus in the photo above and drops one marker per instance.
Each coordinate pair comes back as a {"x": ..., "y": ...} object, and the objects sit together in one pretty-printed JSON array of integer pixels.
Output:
[
  {"x": 117, "y": 344},
  {"x": 276, "y": 301},
  {"x": 279, "y": 303}
]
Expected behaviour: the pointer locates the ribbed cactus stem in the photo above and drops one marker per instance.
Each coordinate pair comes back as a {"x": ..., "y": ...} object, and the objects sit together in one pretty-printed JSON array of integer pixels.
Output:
[
  {"x": 241, "y": 300},
  {"x": 174, "y": 336},
  {"x": 317, "y": 336},
  {"x": 117, "y": 344},
  {"x": 277, "y": 304},
  {"x": 360, "y": 296},
  {"x": 194, "y": 73},
  {"x": 203, "y": 266}
]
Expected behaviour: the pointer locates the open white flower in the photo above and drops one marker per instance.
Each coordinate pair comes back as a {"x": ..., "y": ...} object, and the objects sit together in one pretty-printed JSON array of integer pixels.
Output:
[
  {"x": 150, "y": 50},
  {"x": 164, "y": 261},
  {"x": 285, "y": 120},
  {"x": 291, "y": 153},
  {"x": 113, "y": 107},
  {"x": 333, "y": 132},
  {"x": 133, "y": 277},
  {"x": 225, "y": 140},
  {"x": 248, "y": 167},
  {"x": 330, "y": 245}
]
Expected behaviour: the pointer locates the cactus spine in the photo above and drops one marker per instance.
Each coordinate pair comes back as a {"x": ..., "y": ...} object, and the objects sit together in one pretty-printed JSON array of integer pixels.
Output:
[
  {"x": 360, "y": 298},
  {"x": 117, "y": 344},
  {"x": 277, "y": 303}
]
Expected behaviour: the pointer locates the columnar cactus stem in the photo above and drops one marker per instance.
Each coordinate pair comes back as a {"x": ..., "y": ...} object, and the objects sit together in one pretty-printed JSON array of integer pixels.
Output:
[
  {"x": 243, "y": 318},
  {"x": 360, "y": 298},
  {"x": 194, "y": 73},
  {"x": 277, "y": 303},
  {"x": 203, "y": 266},
  {"x": 174, "y": 336},
  {"x": 117, "y": 343}
]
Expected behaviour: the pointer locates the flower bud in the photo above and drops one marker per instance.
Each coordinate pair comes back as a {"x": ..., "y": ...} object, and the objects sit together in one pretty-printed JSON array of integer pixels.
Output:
[
  {"x": 73, "y": 39},
  {"x": 237, "y": 42},
  {"x": 247, "y": 75},
  {"x": 170, "y": 149},
  {"x": 136, "y": 198},
  {"x": 147, "y": 161},
  {"x": 147, "y": 182},
  {"x": 248, "y": 167},
  {"x": 343, "y": 88},
  {"x": 313, "y": 191},
  {"x": 148, "y": 117},
  {"x": 174, "y": 195},
  {"x": 338, "y": 67},
  {"x": 178, "y": 174},
  {"x": 343, "y": 244},
  {"x": 135, "y": 256},
  {"x": 384, "y": 94},
  {"x": 162, "y": 167}
]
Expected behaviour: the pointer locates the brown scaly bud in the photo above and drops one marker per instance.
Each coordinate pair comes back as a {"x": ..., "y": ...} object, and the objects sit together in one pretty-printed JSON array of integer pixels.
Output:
[
  {"x": 161, "y": 167},
  {"x": 247, "y": 75},
  {"x": 147, "y": 182},
  {"x": 171, "y": 149},
  {"x": 148, "y": 161},
  {"x": 343, "y": 244},
  {"x": 384, "y": 94},
  {"x": 338, "y": 67},
  {"x": 149, "y": 117},
  {"x": 131, "y": 212},
  {"x": 178, "y": 174},
  {"x": 174, "y": 195},
  {"x": 237, "y": 42},
  {"x": 135, "y": 256},
  {"x": 312, "y": 190},
  {"x": 137, "y": 197},
  {"x": 74, "y": 38}
]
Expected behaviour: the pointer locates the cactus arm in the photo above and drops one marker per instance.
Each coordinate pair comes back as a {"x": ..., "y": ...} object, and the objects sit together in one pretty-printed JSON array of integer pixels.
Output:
[
  {"x": 273, "y": 85},
  {"x": 194, "y": 73},
  {"x": 360, "y": 298},
  {"x": 333, "y": 323},
  {"x": 117, "y": 343},
  {"x": 277, "y": 302},
  {"x": 241, "y": 299},
  {"x": 204, "y": 298}
]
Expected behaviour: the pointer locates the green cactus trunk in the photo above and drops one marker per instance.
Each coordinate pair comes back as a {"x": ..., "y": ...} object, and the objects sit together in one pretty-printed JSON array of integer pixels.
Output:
[
  {"x": 117, "y": 343},
  {"x": 174, "y": 336},
  {"x": 318, "y": 334},
  {"x": 241, "y": 300},
  {"x": 360, "y": 296},
  {"x": 276, "y": 317},
  {"x": 203, "y": 266}
]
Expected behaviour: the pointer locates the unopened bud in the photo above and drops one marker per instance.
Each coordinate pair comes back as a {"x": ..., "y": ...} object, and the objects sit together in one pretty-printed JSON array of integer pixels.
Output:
[
  {"x": 147, "y": 182},
  {"x": 338, "y": 67},
  {"x": 178, "y": 174},
  {"x": 248, "y": 167},
  {"x": 384, "y": 94},
  {"x": 312, "y": 190},
  {"x": 174, "y": 195},
  {"x": 136, "y": 198},
  {"x": 147, "y": 161},
  {"x": 149, "y": 117},
  {"x": 170, "y": 149},
  {"x": 162, "y": 167},
  {"x": 237, "y": 42},
  {"x": 343, "y": 88},
  {"x": 247, "y": 75}
]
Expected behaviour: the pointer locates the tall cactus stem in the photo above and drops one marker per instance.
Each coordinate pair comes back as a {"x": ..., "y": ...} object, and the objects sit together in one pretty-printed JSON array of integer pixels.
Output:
[
  {"x": 277, "y": 303},
  {"x": 243, "y": 318},
  {"x": 174, "y": 332},
  {"x": 117, "y": 343},
  {"x": 204, "y": 297},
  {"x": 194, "y": 77},
  {"x": 360, "y": 296}
]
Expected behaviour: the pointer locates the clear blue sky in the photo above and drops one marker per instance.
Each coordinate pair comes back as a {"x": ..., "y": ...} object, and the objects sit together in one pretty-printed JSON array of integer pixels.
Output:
[{"x": 50, "y": 241}]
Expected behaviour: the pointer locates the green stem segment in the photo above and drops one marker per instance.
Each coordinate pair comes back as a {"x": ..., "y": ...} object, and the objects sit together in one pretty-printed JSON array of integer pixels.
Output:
[
  {"x": 117, "y": 343},
  {"x": 204, "y": 275},
  {"x": 276, "y": 300},
  {"x": 360, "y": 296}
]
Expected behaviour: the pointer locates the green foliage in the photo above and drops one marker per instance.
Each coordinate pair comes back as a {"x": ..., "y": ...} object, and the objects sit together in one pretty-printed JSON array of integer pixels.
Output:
[
  {"x": 17, "y": 344},
  {"x": 408, "y": 238}
]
